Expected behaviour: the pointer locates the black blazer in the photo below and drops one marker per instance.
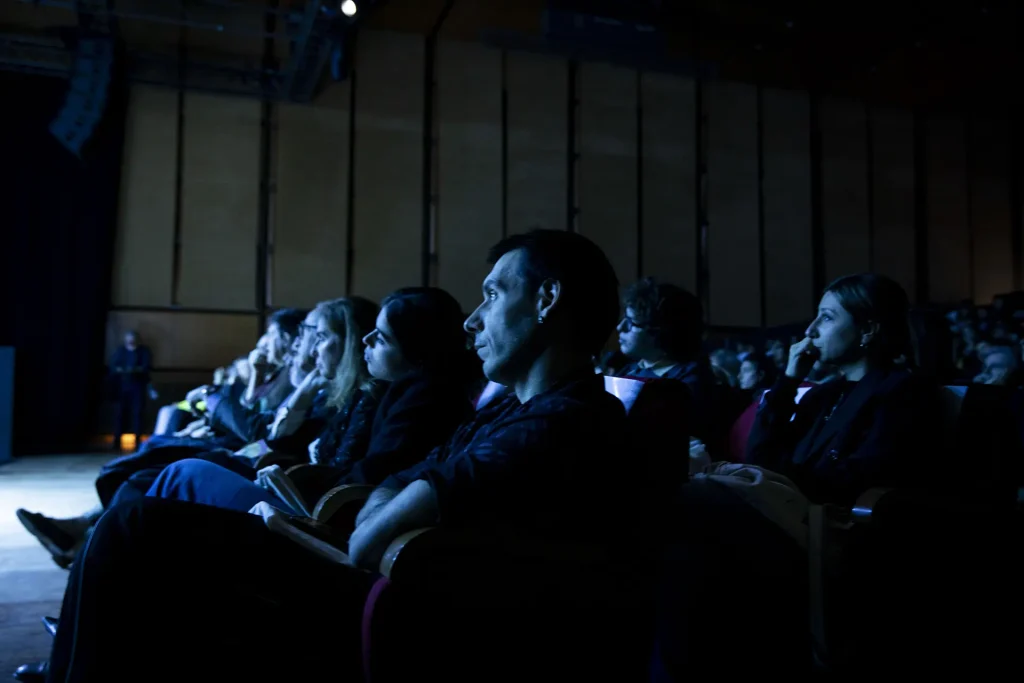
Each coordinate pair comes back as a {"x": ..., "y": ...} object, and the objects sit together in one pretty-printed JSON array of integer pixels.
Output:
[{"x": 846, "y": 437}]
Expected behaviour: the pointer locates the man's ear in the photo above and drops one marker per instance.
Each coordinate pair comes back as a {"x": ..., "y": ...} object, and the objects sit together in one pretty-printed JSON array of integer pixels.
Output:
[{"x": 548, "y": 295}]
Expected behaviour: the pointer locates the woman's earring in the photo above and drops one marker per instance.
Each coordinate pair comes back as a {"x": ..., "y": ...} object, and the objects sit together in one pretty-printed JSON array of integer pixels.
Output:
[{"x": 540, "y": 319}]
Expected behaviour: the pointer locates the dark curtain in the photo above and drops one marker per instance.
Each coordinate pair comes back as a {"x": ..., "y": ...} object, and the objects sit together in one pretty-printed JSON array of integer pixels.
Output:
[{"x": 58, "y": 214}]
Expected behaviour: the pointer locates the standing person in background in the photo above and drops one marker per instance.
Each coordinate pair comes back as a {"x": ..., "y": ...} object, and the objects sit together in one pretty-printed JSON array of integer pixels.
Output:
[{"x": 130, "y": 367}]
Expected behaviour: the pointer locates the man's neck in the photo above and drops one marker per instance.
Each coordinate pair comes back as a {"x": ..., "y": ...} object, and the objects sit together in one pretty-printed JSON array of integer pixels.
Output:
[{"x": 552, "y": 367}]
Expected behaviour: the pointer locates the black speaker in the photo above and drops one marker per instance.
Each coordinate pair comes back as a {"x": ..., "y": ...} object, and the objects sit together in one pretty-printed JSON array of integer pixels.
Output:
[{"x": 88, "y": 92}]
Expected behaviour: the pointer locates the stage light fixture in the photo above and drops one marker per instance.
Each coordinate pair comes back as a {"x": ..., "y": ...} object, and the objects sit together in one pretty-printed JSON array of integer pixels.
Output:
[{"x": 349, "y": 8}]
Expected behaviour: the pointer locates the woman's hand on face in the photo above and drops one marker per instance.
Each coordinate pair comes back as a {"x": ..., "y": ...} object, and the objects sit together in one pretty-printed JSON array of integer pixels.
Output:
[{"x": 802, "y": 357}]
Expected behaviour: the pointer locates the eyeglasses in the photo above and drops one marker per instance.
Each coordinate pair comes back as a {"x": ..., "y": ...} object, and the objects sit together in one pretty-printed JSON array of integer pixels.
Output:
[{"x": 305, "y": 327}]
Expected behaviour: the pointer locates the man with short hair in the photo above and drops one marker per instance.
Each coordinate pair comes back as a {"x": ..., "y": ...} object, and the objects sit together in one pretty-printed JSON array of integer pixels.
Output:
[{"x": 542, "y": 461}]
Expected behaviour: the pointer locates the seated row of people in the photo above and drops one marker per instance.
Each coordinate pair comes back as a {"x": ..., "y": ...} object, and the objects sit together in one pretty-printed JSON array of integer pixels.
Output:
[
  {"x": 361, "y": 416},
  {"x": 540, "y": 460}
]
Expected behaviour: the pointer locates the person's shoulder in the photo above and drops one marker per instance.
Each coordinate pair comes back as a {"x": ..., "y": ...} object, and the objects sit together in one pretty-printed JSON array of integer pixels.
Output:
[{"x": 582, "y": 399}]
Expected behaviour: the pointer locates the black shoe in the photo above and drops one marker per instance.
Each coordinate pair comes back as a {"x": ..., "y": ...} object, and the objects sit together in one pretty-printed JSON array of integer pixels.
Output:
[
  {"x": 56, "y": 540},
  {"x": 32, "y": 673},
  {"x": 50, "y": 624}
]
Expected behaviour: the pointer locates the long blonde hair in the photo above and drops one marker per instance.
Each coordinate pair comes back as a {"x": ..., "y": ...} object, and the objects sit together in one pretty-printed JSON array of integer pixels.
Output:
[{"x": 351, "y": 318}]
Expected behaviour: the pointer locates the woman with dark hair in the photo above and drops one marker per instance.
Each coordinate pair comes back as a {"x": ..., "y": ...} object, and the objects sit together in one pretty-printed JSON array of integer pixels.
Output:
[
  {"x": 864, "y": 429},
  {"x": 419, "y": 350}
]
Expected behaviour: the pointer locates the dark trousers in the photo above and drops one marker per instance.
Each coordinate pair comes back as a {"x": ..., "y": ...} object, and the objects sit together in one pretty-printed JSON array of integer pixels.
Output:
[
  {"x": 166, "y": 590},
  {"x": 130, "y": 405}
]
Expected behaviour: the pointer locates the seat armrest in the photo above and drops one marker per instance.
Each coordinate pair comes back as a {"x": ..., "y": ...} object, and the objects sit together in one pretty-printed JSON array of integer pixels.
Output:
[
  {"x": 337, "y": 498},
  {"x": 867, "y": 503},
  {"x": 396, "y": 546}
]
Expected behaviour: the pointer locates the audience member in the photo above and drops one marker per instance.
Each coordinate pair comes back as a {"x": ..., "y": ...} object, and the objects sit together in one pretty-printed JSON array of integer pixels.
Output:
[{"x": 872, "y": 427}]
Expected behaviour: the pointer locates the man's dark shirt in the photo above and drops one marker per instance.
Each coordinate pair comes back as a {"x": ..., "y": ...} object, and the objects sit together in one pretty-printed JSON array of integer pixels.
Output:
[{"x": 547, "y": 466}]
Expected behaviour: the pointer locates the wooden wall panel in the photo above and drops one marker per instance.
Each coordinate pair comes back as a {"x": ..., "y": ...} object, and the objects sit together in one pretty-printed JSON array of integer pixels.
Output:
[
  {"x": 733, "y": 245},
  {"x": 949, "y": 237},
  {"x": 669, "y": 192},
  {"x": 186, "y": 340},
  {"x": 844, "y": 188},
  {"x": 607, "y": 170},
  {"x": 788, "y": 248},
  {"x": 892, "y": 135},
  {"x": 469, "y": 220},
  {"x": 537, "y": 164},
  {"x": 990, "y": 208},
  {"x": 388, "y": 229},
  {"x": 310, "y": 227},
  {"x": 144, "y": 252},
  {"x": 219, "y": 202}
]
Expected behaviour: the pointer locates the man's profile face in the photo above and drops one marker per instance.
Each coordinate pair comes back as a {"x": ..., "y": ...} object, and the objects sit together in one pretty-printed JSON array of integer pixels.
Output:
[{"x": 504, "y": 324}]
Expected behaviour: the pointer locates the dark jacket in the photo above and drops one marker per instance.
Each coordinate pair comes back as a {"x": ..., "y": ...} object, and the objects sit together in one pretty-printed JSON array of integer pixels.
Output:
[
  {"x": 416, "y": 414},
  {"x": 846, "y": 437},
  {"x": 227, "y": 416},
  {"x": 346, "y": 437}
]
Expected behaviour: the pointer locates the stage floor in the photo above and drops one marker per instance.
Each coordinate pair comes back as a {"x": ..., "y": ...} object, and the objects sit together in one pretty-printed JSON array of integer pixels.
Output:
[{"x": 31, "y": 585}]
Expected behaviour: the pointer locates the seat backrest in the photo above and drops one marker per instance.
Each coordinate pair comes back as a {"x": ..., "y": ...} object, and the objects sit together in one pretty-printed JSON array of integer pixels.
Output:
[
  {"x": 986, "y": 444},
  {"x": 658, "y": 429},
  {"x": 626, "y": 389}
]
